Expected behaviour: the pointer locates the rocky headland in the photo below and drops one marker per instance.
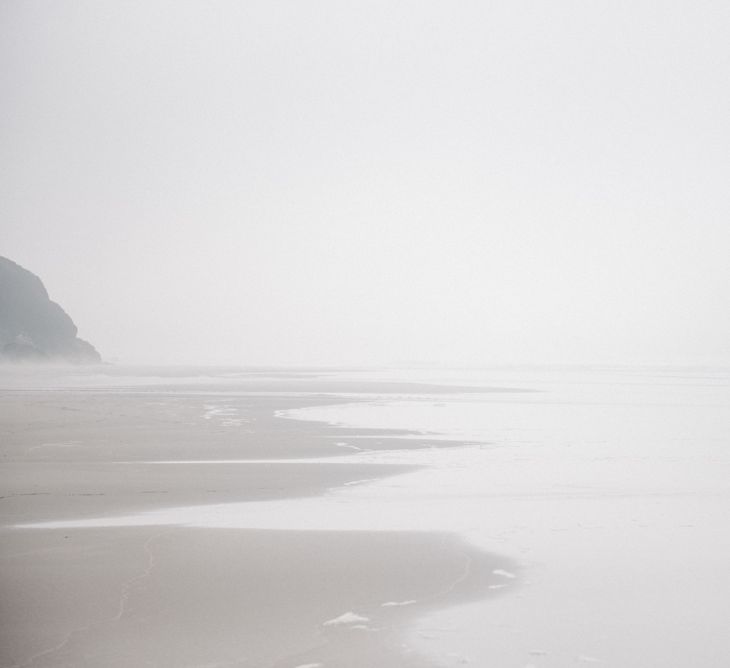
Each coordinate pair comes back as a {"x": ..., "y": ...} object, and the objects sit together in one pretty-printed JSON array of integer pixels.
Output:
[{"x": 32, "y": 326}]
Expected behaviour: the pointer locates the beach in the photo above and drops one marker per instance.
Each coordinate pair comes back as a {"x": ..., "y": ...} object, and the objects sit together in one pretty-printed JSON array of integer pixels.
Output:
[
  {"x": 84, "y": 448},
  {"x": 511, "y": 517},
  {"x": 364, "y": 334}
]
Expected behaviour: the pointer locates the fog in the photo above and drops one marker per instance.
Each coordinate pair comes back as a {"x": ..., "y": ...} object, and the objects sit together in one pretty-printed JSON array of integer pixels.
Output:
[{"x": 373, "y": 182}]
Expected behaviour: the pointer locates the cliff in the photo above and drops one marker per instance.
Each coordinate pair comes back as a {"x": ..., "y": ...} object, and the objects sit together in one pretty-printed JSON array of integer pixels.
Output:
[{"x": 32, "y": 327}]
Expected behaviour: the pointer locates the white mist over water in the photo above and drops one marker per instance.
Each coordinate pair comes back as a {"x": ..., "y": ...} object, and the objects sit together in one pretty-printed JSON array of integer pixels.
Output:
[{"x": 339, "y": 182}]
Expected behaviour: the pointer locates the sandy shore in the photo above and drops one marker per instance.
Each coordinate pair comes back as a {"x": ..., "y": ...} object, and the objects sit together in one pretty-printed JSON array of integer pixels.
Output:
[
  {"x": 197, "y": 597},
  {"x": 181, "y": 596}
]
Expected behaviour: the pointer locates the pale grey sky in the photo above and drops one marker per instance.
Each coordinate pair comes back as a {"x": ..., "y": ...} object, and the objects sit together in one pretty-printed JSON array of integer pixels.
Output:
[{"x": 366, "y": 182}]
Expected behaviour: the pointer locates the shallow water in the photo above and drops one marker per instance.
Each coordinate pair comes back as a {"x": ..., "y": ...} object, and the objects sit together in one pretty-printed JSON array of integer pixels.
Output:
[{"x": 610, "y": 486}]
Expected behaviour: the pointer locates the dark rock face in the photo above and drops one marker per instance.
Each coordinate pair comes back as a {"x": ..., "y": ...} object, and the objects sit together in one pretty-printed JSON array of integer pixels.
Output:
[{"x": 32, "y": 327}]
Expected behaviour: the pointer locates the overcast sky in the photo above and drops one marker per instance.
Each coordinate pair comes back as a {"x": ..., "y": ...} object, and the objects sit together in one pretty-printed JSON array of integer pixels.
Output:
[{"x": 263, "y": 182}]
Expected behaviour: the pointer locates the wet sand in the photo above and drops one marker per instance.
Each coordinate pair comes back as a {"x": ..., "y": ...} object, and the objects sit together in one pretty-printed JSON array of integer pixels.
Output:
[
  {"x": 198, "y": 597},
  {"x": 182, "y": 596},
  {"x": 48, "y": 491}
]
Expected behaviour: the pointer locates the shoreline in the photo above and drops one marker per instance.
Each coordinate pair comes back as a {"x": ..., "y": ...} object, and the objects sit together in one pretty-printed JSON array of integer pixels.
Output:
[{"x": 62, "y": 461}]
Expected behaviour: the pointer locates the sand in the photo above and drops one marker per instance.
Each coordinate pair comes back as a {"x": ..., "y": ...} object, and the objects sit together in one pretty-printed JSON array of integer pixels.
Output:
[
  {"x": 196, "y": 597},
  {"x": 184, "y": 596}
]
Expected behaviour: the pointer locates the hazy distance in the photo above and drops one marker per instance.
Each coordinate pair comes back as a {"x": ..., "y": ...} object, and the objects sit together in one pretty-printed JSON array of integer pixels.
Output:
[{"x": 372, "y": 182}]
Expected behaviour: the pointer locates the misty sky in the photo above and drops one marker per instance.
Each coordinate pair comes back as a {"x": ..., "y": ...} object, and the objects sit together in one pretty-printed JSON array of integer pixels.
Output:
[{"x": 263, "y": 182}]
